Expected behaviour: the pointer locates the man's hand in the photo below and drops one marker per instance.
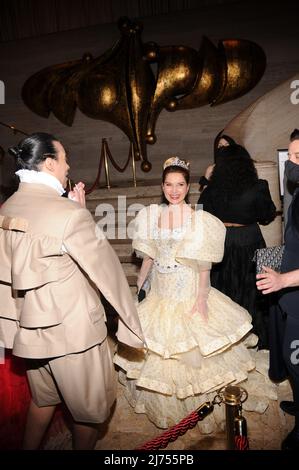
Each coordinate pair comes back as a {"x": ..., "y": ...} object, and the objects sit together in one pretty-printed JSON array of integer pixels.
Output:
[
  {"x": 269, "y": 281},
  {"x": 78, "y": 194}
]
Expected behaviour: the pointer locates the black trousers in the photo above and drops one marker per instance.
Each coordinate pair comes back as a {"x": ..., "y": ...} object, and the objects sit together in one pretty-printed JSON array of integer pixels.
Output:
[
  {"x": 291, "y": 356},
  {"x": 278, "y": 370}
]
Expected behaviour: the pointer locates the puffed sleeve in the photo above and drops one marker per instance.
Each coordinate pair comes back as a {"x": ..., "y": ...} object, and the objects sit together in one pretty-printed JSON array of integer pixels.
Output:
[
  {"x": 203, "y": 243},
  {"x": 265, "y": 207},
  {"x": 143, "y": 228}
]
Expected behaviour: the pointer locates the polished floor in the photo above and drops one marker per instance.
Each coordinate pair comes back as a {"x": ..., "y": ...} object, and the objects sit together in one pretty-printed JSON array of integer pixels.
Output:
[{"x": 127, "y": 430}]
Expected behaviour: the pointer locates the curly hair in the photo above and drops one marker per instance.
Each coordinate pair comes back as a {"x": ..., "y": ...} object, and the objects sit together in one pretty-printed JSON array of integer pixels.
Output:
[
  {"x": 233, "y": 174},
  {"x": 218, "y": 137}
]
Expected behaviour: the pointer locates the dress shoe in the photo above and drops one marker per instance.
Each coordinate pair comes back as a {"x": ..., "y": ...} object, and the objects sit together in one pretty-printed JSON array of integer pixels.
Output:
[
  {"x": 289, "y": 407},
  {"x": 291, "y": 442}
]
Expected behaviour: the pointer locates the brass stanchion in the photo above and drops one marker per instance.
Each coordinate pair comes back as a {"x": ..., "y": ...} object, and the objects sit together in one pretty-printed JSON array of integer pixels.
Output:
[
  {"x": 13, "y": 129},
  {"x": 106, "y": 164},
  {"x": 105, "y": 157},
  {"x": 235, "y": 423},
  {"x": 133, "y": 165}
]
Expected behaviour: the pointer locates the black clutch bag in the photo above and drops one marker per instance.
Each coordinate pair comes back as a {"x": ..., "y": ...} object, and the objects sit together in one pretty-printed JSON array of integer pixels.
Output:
[{"x": 270, "y": 257}]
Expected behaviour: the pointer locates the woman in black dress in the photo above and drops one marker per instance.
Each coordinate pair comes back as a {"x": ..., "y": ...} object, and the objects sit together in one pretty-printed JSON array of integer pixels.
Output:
[
  {"x": 241, "y": 201},
  {"x": 221, "y": 140}
]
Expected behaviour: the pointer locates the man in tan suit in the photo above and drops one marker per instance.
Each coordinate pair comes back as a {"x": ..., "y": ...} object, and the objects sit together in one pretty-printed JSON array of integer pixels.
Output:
[{"x": 53, "y": 266}]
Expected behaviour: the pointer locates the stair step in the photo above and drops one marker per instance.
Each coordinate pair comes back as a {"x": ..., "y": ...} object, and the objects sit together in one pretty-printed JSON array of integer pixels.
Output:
[
  {"x": 124, "y": 252},
  {"x": 123, "y": 249},
  {"x": 114, "y": 230},
  {"x": 133, "y": 290},
  {"x": 144, "y": 195},
  {"x": 120, "y": 241},
  {"x": 131, "y": 192},
  {"x": 113, "y": 210},
  {"x": 131, "y": 272},
  {"x": 130, "y": 269},
  {"x": 113, "y": 202}
]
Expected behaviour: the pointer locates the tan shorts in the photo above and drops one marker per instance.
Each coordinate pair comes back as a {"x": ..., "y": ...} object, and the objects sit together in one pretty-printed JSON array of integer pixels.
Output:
[{"x": 85, "y": 381}]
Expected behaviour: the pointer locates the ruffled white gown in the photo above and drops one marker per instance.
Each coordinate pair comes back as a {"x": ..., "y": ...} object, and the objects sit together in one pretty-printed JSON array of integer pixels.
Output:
[{"x": 188, "y": 358}]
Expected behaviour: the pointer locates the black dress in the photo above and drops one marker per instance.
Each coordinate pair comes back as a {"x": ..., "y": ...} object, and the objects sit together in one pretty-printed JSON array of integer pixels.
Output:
[{"x": 235, "y": 275}]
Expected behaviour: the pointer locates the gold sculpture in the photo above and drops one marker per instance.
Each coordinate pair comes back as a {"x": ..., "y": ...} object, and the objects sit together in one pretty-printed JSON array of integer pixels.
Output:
[
  {"x": 2, "y": 154},
  {"x": 120, "y": 86}
]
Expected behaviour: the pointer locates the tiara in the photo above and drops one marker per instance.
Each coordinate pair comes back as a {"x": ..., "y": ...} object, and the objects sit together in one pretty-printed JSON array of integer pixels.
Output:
[{"x": 176, "y": 161}]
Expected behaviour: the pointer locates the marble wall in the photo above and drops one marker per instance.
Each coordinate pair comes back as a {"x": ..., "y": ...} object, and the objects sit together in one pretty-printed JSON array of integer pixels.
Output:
[{"x": 187, "y": 133}]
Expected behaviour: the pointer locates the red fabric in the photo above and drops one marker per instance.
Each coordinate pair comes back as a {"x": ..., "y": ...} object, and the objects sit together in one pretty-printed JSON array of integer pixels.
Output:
[{"x": 14, "y": 401}]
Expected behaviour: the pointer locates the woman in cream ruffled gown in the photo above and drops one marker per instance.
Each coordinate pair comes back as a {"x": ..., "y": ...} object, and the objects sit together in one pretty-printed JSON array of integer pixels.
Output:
[{"x": 197, "y": 338}]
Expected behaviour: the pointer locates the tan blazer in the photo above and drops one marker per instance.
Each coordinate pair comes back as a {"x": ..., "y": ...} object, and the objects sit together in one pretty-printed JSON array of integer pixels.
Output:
[{"x": 49, "y": 299}]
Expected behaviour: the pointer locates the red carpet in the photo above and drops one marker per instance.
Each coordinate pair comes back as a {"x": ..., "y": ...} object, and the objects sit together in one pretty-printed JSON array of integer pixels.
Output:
[{"x": 14, "y": 401}]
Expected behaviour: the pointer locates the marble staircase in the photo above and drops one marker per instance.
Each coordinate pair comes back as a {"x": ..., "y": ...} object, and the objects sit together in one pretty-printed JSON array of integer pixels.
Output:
[{"x": 113, "y": 210}]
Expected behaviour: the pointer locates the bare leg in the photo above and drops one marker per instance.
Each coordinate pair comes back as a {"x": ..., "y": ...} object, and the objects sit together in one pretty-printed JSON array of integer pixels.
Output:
[
  {"x": 38, "y": 419},
  {"x": 85, "y": 436}
]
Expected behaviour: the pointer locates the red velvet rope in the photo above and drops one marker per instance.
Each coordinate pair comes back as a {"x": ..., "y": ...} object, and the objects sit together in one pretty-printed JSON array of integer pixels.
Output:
[
  {"x": 173, "y": 433},
  {"x": 116, "y": 166},
  {"x": 241, "y": 443},
  {"x": 162, "y": 441},
  {"x": 97, "y": 180}
]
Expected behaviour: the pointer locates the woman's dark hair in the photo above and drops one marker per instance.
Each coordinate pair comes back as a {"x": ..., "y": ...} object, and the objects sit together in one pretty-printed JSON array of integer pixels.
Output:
[
  {"x": 231, "y": 151},
  {"x": 233, "y": 173},
  {"x": 218, "y": 137},
  {"x": 33, "y": 150},
  {"x": 175, "y": 169}
]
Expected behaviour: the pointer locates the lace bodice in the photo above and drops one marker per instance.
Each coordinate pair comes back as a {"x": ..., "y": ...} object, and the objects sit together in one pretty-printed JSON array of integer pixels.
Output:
[
  {"x": 167, "y": 241},
  {"x": 179, "y": 254},
  {"x": 169, "y": 276},
  {"x": 200, "y": 239}
]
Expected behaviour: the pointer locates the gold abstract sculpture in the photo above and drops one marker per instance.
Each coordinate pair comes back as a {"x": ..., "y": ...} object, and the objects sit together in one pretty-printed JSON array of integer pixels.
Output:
[
  {"x": 120, "y": 86},
  {"x": 2, "y": 154}
]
